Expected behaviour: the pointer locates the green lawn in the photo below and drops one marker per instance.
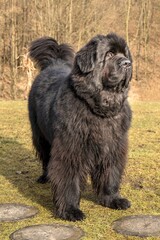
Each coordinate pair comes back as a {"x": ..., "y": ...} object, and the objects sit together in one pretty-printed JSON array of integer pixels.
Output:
[{"x": 141, "y": 184}]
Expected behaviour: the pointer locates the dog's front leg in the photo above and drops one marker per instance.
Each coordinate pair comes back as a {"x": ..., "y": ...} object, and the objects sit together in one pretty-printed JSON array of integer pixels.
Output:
[
  {"x": 66, "y": 191},
  {"x": 106, "y": 181}
]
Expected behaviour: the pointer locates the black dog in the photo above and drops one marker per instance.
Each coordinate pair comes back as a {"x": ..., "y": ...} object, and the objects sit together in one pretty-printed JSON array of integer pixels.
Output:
[{"x": 80, "y": 118}]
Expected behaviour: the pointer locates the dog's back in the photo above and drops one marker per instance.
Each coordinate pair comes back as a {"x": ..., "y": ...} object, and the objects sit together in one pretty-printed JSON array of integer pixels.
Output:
[{"x": 55, "y": 63}]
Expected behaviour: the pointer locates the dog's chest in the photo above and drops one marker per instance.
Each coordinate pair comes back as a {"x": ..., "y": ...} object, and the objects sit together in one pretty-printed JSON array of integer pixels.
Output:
[
  {"x": 107, "y": 129},
  {"x": 103, "y": 134}
]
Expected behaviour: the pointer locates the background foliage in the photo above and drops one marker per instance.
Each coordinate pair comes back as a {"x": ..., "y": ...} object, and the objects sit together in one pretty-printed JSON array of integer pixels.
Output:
[{"x": 75, "y": 22}]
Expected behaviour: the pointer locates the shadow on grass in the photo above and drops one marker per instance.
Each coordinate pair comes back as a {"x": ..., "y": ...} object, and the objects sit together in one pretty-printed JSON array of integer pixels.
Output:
[{"x": 21, "y": 168}]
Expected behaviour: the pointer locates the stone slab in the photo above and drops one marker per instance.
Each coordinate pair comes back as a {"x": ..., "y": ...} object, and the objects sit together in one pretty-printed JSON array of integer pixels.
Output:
[
  {"x": 10, "y": 212},
  {"x": 139, "y": 225},
  {"x": 48, "y": 232}
]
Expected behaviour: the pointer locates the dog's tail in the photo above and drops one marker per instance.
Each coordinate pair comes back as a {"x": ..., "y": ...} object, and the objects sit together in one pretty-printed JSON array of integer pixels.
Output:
[{"x": 44, "y": 51}]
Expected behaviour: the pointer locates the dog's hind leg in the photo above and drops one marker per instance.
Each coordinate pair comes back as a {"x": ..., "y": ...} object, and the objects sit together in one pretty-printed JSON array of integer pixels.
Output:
[
  {"x": 41, "y": 145},
  {"x": 43, "y": 151}
]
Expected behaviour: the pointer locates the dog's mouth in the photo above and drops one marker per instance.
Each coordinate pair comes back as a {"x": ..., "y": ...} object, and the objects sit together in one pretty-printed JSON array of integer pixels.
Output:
[{"x": 119, "y": 78}]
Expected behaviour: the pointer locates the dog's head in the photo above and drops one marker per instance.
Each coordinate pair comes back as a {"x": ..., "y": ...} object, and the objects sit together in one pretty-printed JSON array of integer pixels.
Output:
[{"x": 107, "y": 60}]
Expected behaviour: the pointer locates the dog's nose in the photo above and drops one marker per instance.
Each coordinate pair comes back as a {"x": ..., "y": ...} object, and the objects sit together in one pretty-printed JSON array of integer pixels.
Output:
[{"x": 125, "y": 63}]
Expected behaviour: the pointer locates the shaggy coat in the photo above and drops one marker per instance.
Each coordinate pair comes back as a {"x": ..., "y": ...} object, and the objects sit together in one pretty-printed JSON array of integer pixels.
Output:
[{"x": 80, "y": 117}]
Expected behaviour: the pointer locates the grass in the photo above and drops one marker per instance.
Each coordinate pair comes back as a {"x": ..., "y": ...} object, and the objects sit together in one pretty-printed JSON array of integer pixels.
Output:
[{"x": 141, "y": 184}]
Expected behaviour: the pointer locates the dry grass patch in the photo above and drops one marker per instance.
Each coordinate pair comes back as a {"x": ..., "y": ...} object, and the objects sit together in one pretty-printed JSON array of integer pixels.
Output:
[{"x": 19, "y": 169}]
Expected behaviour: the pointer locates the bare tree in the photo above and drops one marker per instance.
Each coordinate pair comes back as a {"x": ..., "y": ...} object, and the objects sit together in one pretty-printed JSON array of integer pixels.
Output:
[
  {"x": 74, "y": 22},
  {"x": 128, "y": 3}
]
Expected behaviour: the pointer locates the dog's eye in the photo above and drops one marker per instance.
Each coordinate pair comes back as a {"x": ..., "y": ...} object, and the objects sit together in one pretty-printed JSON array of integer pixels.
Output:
[{"x": 109, "y": 54}]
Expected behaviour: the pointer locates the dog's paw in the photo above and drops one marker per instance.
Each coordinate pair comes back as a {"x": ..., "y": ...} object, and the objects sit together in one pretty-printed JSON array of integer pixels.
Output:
[
  {"x": 42, "y": 179},
  {"x": 120, "y": 204},
  {"x": 73, "y": 214}
]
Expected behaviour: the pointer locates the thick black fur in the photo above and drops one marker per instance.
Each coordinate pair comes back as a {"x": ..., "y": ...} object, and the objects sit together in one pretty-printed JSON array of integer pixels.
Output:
[{"x": 80, "y": 118}]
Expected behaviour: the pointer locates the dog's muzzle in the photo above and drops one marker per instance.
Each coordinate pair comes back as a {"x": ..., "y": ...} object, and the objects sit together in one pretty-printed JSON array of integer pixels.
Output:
[{"x": 125, "y": 63}]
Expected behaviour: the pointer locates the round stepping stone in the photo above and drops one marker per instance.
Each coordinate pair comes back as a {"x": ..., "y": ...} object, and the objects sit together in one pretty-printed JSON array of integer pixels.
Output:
[
  {"x": 48, "y": 232},
  {"x": 10, "y": 212},
  {"x": 140, "y": 225}
]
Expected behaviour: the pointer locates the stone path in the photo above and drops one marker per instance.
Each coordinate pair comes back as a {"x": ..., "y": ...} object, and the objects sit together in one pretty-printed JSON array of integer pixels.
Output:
[
  {"x": 48, "y": 232},
  {"x": 13, "y": 212},
  {"x": 140, "y": 225}
]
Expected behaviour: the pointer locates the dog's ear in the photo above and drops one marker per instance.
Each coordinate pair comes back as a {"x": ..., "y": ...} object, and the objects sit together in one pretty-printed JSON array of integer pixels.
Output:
[{"x": 86, "y": 57}]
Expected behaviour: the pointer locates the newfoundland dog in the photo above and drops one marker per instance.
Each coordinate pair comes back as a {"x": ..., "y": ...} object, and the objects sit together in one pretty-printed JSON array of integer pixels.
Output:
[{"x": 80, "y": 117}]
